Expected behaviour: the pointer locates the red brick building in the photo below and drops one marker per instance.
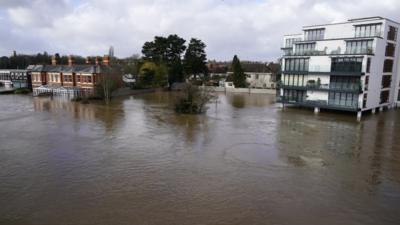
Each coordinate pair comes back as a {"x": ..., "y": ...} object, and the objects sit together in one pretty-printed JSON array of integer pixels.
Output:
[{"x": 78, "y": 78}]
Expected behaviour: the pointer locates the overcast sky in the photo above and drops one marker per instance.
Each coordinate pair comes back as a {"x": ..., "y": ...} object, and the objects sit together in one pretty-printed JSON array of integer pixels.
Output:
[{"x": 252, "y": 29}]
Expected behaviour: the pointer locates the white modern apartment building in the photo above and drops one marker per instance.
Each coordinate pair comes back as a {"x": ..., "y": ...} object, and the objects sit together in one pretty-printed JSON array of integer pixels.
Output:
[{"x": 351, "y": 66}]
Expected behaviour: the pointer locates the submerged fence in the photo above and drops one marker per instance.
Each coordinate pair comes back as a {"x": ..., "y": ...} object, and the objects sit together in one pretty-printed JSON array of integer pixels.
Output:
[{"x": 69, "y": 92}]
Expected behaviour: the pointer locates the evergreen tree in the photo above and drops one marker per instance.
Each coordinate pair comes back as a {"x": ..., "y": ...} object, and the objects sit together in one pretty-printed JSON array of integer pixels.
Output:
[
  {"x": 195, "y": 58},
  {"x": 239, "y": 77},
  {"x": 167, "y": 51}
]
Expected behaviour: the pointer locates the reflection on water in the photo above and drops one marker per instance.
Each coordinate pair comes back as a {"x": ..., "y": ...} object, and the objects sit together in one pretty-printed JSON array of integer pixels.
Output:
[
  {"x": 244, "y": 162},
  {"x": 108, "y": 115}
]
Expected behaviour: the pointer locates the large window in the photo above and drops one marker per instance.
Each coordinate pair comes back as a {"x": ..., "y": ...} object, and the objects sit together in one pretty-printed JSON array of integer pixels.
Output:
[
  {"x": 384, "y": 97},
  {"x": 390, "y": 49},
  {"x": 392, "y": 33},
  {"x": 398, "y": 96},
  {"x": 359, "y": 47},
  {"x": 315, "y": 34},
  {"x": 294, "y": 95},
  {"x": 347, "y": 64},
  {"x": 288, "y": 51},
  {"x": 369, "y": 30},
  {"x": 302, "y": 49},
  {"x": 388, "y": 66},
  {"x": 294, "y": 80},
  {"x": 344, "y": 83},
  {"x": 365, "y": 100},
  {"x": 299, "y": 64},
  {"x": 68, "y": 78},
  {"x": 86, "y": 79},
  {"x": 342, "y": 99},
  {"x": 386, "y": 81}
]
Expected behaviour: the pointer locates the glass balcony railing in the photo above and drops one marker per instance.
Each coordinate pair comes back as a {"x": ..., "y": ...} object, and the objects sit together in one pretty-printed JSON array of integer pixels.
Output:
[
  {"x": 368, "y": 35},
  {"x": 368, "y": 51},
  {"x": 322, "y": 87},
  {"x": 317, "y": 103},
  {"x": 359, "y": 51}
]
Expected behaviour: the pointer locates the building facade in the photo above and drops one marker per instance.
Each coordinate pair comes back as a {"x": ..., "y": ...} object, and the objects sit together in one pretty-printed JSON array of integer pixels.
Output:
[
  {"x": 15, "y": 78},
  {"x": 70, "y": 79},
  {"x": 260, "y": 80},
  {"x": 350, "y": 66}
]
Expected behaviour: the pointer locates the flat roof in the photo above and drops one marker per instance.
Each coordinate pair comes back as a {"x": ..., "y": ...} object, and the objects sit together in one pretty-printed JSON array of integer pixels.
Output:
[
  {"x": 364, "y": 19},
  {"x": 292, "y": 34}
]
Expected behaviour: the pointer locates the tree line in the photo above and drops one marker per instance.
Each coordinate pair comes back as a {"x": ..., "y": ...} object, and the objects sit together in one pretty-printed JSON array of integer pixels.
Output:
[
  {"x": 165, "y": 60},
  {"x": 169, "y": 60},
  {"x": 22, "y": 61}
]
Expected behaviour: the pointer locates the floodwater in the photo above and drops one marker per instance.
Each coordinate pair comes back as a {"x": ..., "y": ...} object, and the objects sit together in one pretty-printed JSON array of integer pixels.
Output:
[{"x": 245, "y": 162}]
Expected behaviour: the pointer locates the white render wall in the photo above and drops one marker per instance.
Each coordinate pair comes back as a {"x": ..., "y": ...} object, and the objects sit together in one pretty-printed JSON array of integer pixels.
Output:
[
  {"x": 264, "y": 80},
  {"x": 317, "y": 95}
]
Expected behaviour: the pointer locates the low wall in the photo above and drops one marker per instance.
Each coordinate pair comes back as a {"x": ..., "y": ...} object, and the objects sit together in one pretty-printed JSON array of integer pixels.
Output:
[
  {"x": 244, "y": 90},
  {"x": 128, "y": 91}
]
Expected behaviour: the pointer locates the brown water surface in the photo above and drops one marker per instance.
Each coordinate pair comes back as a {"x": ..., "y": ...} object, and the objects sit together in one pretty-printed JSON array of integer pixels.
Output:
[{"x": 245, "y": 162}]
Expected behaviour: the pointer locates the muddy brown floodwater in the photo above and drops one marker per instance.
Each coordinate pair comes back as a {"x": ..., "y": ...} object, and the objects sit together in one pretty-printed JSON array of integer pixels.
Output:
[{"x": 245, "y": 162}]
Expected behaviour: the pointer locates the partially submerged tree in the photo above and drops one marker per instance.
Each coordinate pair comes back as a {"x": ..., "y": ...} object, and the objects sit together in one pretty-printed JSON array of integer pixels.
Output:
[
  {"x": 152, "y": 75},
  {"x": 108, "y": 81},
  {"x": 167, "y": 51},
  {"x": 193, "y": 99}
]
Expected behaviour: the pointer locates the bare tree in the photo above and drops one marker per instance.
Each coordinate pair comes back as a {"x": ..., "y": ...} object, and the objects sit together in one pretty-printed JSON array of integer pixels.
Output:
[{"x": 108, "y": 81}]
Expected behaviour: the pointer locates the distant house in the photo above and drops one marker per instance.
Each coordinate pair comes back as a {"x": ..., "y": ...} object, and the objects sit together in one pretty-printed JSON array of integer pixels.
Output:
[
  {"x": 256, "y": 80},
  {"x": 15, "y": 78},
  {"x": 260, "y": 80},
  {"x": 259, "y": 74}
]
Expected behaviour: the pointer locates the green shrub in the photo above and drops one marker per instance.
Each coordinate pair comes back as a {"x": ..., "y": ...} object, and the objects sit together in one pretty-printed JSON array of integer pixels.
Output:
[
  {"x": 22, "y": 91},
  {"x": 193, "y": 100}
]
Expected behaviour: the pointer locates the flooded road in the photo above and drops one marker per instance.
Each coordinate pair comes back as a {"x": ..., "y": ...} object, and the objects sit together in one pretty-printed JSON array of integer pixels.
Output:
[{"x": 245, "y": 162}]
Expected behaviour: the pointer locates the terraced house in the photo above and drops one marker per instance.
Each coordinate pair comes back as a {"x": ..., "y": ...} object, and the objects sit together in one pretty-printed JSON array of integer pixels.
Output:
[
  {"x": 67, "y": 79},
  {"x": 351, "y": 66}
]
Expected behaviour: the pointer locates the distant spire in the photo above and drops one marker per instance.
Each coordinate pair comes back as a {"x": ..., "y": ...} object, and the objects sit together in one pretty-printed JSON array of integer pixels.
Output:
[{"x": 111, "y": 52}]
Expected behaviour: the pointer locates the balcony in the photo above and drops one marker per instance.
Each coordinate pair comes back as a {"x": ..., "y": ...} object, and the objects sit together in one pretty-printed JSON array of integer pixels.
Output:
[
  {"x": 326, "y": 87},
  {"x": 317, "y": 103},
  {"x": 371, "y": 35},
  {"x": 368, "y": 51},
  {"x": 322, "y": 87},
  {"x": 362, "y": 51}
]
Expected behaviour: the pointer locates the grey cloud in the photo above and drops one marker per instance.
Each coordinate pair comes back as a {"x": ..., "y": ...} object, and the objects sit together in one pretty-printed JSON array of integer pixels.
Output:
[{"x": 253, "y": 29}]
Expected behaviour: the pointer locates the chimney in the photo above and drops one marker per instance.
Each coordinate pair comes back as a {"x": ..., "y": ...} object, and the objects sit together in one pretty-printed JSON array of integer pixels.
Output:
[
  {"x": 106, "y": 60},
  {"x": 53, "y": 60},
  {"x": 70, "y": 60}
]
